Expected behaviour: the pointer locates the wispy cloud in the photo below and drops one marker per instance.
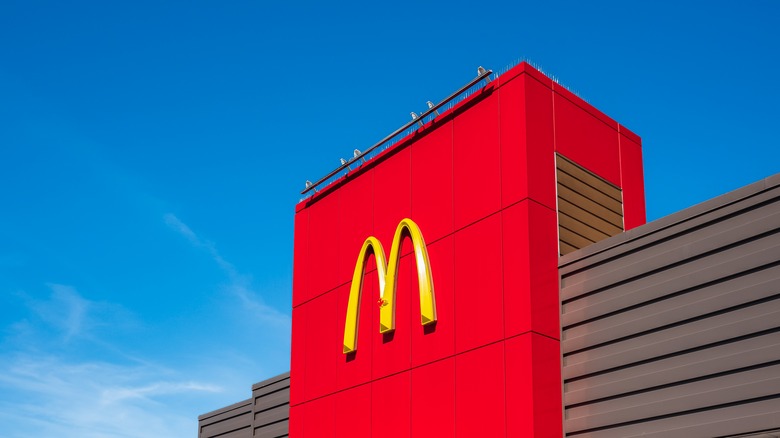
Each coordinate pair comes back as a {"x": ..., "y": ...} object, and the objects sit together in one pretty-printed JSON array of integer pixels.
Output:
[
  {"x": 48, "y": 396},
  {"x": 239, "y": 285},
  {"x": 50, "y": 387},
  {"x": 65, "y": 310},
  {"x": 73, "y": 316}
]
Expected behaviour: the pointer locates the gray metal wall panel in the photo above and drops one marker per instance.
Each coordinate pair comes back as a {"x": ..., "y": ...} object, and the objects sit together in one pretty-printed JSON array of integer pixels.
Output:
[
  {"x": 265, "y": 415},
  {"x": 704, "y": 362},
  {"x": 716, "y": 422},
  {"x": 275, "y": 430},
  {"x": 240, "y": 424},
  {"x": 272, "y": 400},
  {"x": 673, "y": 329},
  {"x": 271, "y": 408},
  {"x": 231, "y": 421},
  {"x": 272, "y": 415}
]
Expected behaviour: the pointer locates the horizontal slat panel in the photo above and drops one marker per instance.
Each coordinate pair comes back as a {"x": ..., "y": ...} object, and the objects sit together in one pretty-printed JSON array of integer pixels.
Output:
[
  {"x": 673, "y": 329},
  {"x": 710, "y": 423},
  {"x": 590, "y": 206},
  {"x": 581, "y": 187},
  {"x": 715, "y": 266},
  {"x": 272, "y": 400},
  {"x": 565, "y": 248},
  {"x": 243, "y": 421},
  {"x": 272, "y": 415},
  {"x": 568, "y": 166},
  {"x": 581, "y": 228},
  {"x": 588, "y": 218},
  {"x": 276, "y": 430},
  {"x": 242, "y": 433},
  {"x": 717, "y": 359},
  {"x": 260, "y": 392},
  {"x": 675, "y": 339},
  {"x": 573, "y": 239},
  {"x": 717, "y": 234},
  {"x": 720, "y": 390},
  {"x": 715, "y": 297}
]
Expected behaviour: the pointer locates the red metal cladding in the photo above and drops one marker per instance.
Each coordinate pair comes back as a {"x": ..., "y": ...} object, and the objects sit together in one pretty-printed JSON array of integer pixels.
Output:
[
  {"x": 517, "y": 273},
  {"x": 320, "y": 418},
  {"x": 391, "y": 407},
  {"x": 433, "y": 342},
  {"x": 479, "y": 392},
  {"x": 353, "y": 412},
  {"x": 433, "y": 400},
  {"x": 514, "y": 128},
  {"x": 298, "y": 355},
  {"x": 533, "y": 386},
  {"x": 355, "y": 368},
  {"x": 432, "y": 183},
  {"x": 540, "y": 143},
  {"x": 633, "y": 182},
  {"x": 296, "y": 421},
  {"x": 543, "y": 264},
  {"x": 392, "y": 195},
  {"x": 323, "y": 345},
  {"x": 587, "y": 140},
  {"x": 357, "y": 210},
  {"x": 526, "y": 138},
  {"x": 391, "y": 352},
  {"x": 478, "y": 285},
  {"x": 300, "y": 257},
  {"x": 476, "y": 161},
  {"x": 324, "y": 245}
]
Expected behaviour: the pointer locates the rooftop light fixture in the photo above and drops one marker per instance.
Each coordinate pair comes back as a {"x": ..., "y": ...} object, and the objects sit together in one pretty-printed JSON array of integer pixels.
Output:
[
  {"x": 416, "y": 117},
  {"x": 430, "y": 107},
  {"x": 483, "y": 74},
  {"x": 481, "y": 71},
  {"x": 345, "y": 163}
]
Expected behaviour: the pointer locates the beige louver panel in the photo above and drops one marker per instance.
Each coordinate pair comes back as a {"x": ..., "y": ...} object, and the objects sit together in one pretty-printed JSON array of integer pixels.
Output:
[{"x": 589, "y": 208}]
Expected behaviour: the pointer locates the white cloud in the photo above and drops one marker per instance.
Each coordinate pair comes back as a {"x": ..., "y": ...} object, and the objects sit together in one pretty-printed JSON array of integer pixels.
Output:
[
  {"x": 45, "y": 392},
  {"x": 48, "y": 396},
  {"x": 239, "y": 285},
  {"x": 66, "y": 310},
  {"x": 73, "y": 316}
]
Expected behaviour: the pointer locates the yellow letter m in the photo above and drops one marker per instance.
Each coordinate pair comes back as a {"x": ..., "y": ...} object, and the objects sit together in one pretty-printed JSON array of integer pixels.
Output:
[{"x": 387, "y": 276}]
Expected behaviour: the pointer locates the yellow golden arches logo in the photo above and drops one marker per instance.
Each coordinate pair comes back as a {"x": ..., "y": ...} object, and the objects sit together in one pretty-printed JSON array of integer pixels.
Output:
[{"x": 387, "y": 275}]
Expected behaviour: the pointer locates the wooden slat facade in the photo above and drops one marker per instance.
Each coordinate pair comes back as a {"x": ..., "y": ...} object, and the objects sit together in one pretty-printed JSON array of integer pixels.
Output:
[
  {"x": 672, "y": 329},
  {"x": 590, "y": 209}
]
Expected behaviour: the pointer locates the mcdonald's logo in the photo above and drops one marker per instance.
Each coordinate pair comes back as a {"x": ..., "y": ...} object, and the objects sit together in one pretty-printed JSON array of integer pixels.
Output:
[{"x": 387, "y": 276}]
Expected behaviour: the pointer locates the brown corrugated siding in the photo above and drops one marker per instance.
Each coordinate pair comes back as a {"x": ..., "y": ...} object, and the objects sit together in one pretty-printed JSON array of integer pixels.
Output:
[
  {"x": 265, "y": 415},
  {"x": 673, "y": 329},
  {"x": 589, "y": 208}
]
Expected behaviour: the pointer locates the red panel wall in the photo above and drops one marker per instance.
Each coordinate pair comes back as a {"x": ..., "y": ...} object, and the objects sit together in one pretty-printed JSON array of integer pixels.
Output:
[
  {"x": 433, "y": 399},
  {"x": 632, "y": 178},
  {"x": 480, "y": 183},
  {"x": 391, "y": 406},
  {"x": 353, "y": 412}
]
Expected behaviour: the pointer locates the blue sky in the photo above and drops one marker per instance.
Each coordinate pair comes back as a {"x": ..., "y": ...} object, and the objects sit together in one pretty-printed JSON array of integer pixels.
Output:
[{"x": 151, "y": 154}]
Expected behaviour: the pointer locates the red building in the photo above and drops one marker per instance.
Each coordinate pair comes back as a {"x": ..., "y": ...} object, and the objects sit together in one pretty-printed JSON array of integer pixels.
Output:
[
  {"x": 480, "y": 182},
  {"x": 457, "y": 232}
]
